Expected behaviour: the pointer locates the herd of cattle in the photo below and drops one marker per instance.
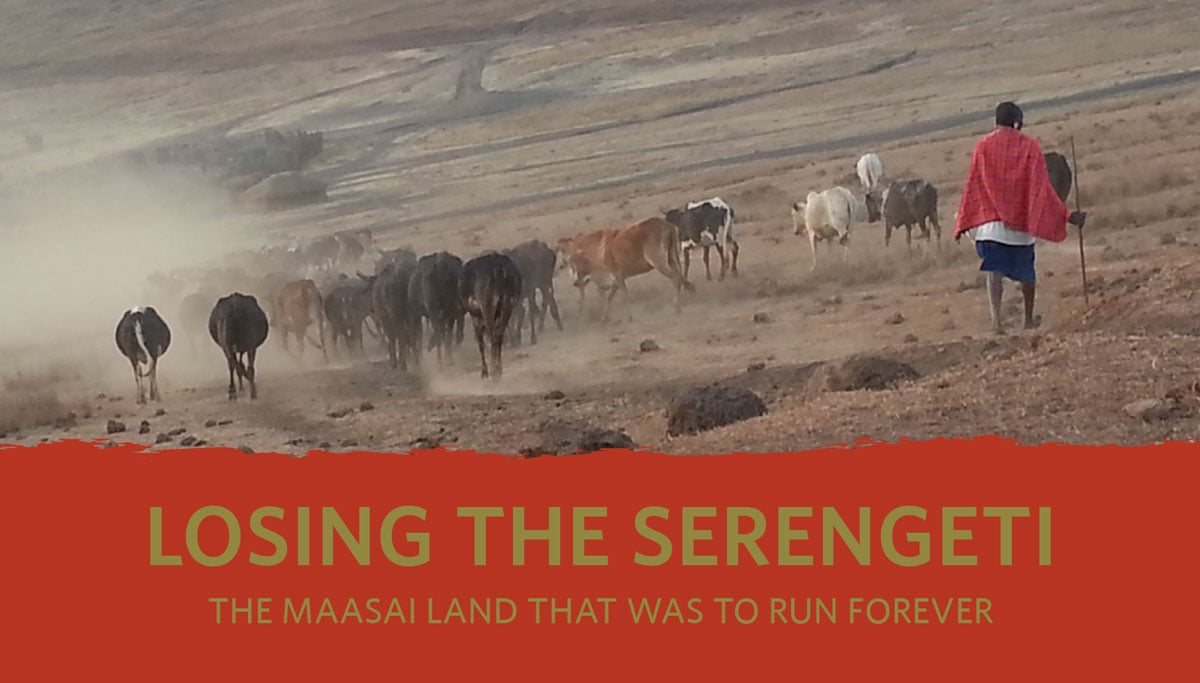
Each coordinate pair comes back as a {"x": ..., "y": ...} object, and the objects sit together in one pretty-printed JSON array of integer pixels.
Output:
[{"x": 414, "y": 305}]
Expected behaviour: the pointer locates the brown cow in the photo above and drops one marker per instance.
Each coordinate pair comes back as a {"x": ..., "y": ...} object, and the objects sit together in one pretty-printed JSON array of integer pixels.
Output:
[
  {"x": 298, "y": 305},
  {"x": 610, "y": 257},
  {"x": 569, "y": 247}
]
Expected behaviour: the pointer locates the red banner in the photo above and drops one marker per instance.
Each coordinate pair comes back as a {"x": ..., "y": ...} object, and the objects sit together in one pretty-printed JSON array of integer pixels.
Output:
[{"x": 978, "y": 559}]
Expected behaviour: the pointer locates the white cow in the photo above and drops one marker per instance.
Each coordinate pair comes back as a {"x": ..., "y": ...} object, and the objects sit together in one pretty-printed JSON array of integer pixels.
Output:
[
  {"x": 870, "y": 171},
  {"x": 828, "y": 216}
]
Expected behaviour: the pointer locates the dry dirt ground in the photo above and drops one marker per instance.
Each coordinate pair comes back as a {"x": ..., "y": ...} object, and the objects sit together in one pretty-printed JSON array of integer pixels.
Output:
[{"x": 473, "y": 126}]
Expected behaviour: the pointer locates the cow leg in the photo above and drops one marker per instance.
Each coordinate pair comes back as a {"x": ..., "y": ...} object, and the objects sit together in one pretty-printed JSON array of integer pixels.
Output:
[
  {"x": 416, "y": 339},
  {"x": 321, "y": 338},
  {"x": 733, "y": 254},
  {"x": 687, "y": 261},
  {"x": 154, "y": 379},
  {"x": 549, "y": 296},
  {"x": 887, "y": 234},
  {"x": 908, "y": 237},
  {"x": 300, "y": 346},
  {"x": 390, "y": 343},
  {"x": 707, "y": 269},
  {"x": 611, "y": 294},
  {"x": 812, "y": 242},
  {"x": 497, "y": 342},
  {"x": 478, "y": 325},
  {"x": 519, "y": 320},
  {"x": 625, "y": 292},
  {"x": 231, "y": 361},
  {"x": 937, "y": 228},
  {"x": 445, "y": 330},
  {"x": 581, "y": 287},
  {"x": 724, "y": 256},
  {"x": 495, "y": 337},
  {"x": 250, "y": 372},
  {"x": 137, "y": 379},
  {"x": 533, "y": 314},
  {"x": 436, "y": 340},
  {"x": 413, "y": 343}
]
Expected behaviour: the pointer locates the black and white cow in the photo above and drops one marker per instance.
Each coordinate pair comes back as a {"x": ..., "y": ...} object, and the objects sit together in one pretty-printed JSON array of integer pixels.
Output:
[
  {"x": 143, "y": 337},
  {"x": 706, "y": 224}
]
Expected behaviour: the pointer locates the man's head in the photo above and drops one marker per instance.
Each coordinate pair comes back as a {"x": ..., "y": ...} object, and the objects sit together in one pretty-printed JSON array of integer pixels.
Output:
[{"x": 1009, "y": 114}]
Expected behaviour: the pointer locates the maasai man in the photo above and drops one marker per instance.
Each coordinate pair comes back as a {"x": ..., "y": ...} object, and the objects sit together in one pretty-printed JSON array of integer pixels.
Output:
[{"x": 1009, "y": 204}]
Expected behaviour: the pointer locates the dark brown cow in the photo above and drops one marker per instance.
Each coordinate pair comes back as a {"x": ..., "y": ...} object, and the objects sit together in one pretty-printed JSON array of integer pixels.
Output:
[
  {"x": 489, "y": 290},
  {"x": 433, "y": 292},
  {"x": 909, "y": 204},
  {"x": 298, "y": 304},
  {"x": 610, "y": 257},
  {"x": 239, "y": 326},
  {"x": 347, "y": 308},
  {"x": 536, "y": 261},
  {"x": 394, "y": 313}
]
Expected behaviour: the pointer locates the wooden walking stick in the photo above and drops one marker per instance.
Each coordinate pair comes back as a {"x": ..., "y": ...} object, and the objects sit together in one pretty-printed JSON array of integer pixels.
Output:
[{"x": 1082, "y": 260}]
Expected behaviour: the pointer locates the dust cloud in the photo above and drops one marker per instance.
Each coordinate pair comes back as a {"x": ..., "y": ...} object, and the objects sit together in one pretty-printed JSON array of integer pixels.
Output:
[{"x": 80, "y": 248}]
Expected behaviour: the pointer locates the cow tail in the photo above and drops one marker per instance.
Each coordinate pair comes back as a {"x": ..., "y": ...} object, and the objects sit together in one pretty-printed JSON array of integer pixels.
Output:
[
  {"x": 674, "y": 260},
  {"x": 141, "y": 338},
  {"x": 227, "y": 346}
]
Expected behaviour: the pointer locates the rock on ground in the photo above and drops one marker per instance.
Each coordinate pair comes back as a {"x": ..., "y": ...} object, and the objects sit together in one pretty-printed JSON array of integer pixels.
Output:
[
  {"x": 856, "y": 373},
  {"x": 707, "y": 407},
  {"x": 562, "y": 437}
]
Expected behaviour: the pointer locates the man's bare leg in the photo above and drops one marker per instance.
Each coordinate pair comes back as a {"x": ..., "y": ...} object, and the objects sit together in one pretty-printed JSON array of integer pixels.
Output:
[
  {"x": 1031, "y": 320},
  {"x": 995, "y": 290}
]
